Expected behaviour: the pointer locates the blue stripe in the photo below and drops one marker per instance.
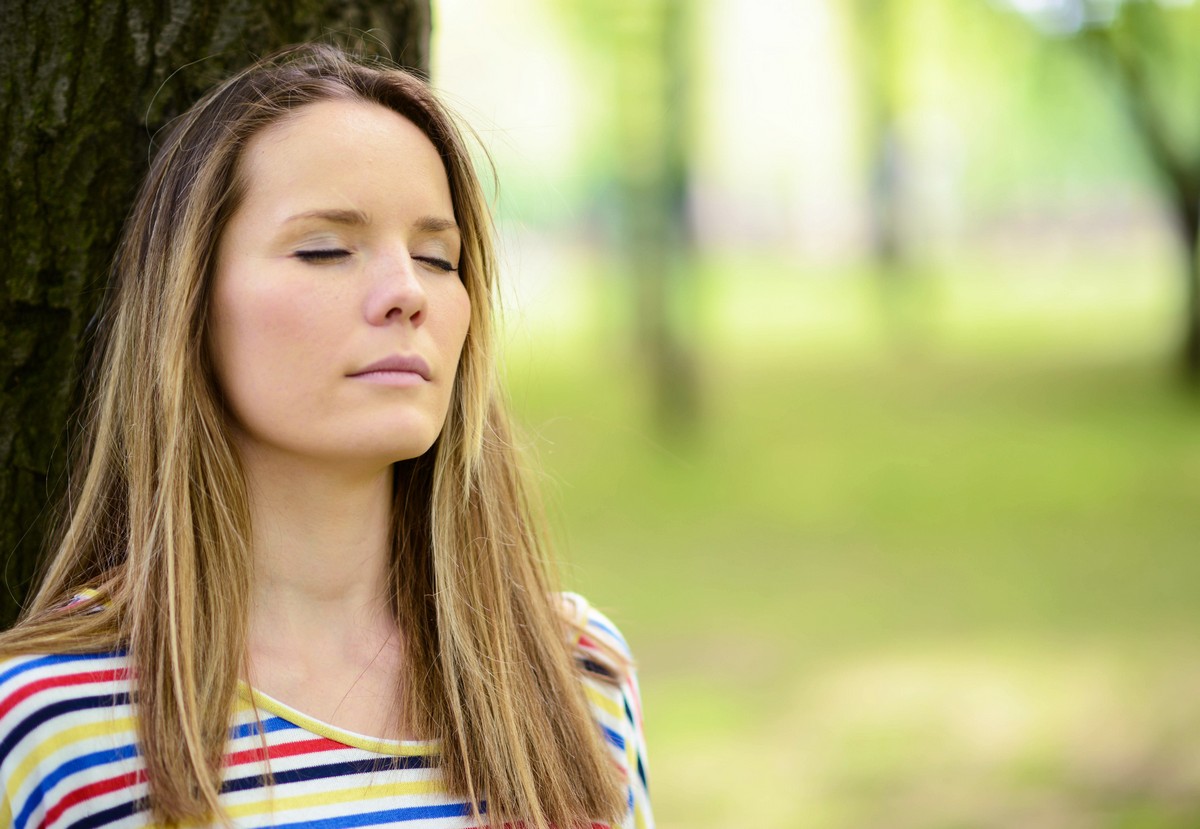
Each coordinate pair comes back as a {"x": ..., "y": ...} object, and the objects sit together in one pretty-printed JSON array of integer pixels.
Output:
[
  {"x": 55, "y": 659},
  {"x": 251, "y": 729},
  {"x": 86, "y": 761},
  {"x": 383, "y": 817},
  {"x": 611, "y": 631},
  {"x": 111, "y": 815},
  {"x": 301, "y": 775},
  {"x": 49, "y": 712},
  {"x": 613, "y": 737}
]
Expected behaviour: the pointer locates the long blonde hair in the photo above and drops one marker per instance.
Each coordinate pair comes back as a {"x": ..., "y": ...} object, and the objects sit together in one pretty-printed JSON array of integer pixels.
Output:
[{"x": 157, "y": 520}]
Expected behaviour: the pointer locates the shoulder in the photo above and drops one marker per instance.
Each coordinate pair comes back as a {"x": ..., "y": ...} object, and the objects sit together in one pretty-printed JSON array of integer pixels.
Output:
[
  {"x": 65, "y": 720},
  {"x": 605, "y": 664},
  {"x": 599, "y": 646},
  {"x": 56, "y": 691},
  {"x": 609, "y": 680},
  {"x": 50, "y": 673}
]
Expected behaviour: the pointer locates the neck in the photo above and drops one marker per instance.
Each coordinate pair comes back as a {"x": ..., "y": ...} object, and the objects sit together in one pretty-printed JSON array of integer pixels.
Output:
[
  {"x": 321, "y": 547},
  {"x": 323, "y": 637}
]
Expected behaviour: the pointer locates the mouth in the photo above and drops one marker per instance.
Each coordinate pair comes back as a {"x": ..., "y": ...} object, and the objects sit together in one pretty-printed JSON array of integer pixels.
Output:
[{"x": 397, "y": 366}]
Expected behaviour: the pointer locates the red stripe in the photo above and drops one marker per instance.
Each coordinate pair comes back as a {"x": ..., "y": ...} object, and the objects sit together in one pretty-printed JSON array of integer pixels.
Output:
[
  {"x": 96, "y": 789},
  {"x": 255, "y": 755},
  {"x": 26, "y": 691}
]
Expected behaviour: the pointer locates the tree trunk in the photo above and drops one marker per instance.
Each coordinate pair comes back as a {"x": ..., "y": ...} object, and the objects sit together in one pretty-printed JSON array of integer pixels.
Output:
[
  {"x": 1189, "y": 219},
  {"x": 653, "y": 121},
  {"x": 1178, "y": 167},
  {"x": 86, "y": 86},
  {"x": 878, "y": 64}
]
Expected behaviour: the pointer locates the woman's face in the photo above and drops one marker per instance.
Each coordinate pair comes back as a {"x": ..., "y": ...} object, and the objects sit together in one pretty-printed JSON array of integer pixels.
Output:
[{"x": 337, "y": 314}]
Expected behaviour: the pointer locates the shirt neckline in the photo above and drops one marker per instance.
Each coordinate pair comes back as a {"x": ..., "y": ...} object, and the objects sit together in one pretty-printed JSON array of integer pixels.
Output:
[{"x": 375, "y": 745}]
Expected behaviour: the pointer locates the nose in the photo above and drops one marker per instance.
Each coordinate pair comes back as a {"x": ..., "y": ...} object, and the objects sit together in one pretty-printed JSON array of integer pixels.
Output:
[{"x": 396, "y": 293}]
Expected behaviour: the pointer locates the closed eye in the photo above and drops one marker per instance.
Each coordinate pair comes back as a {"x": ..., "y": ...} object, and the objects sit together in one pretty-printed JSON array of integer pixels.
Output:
[
  {"x": 436, "y": 263},
  {"x": 322, "y": 256}
]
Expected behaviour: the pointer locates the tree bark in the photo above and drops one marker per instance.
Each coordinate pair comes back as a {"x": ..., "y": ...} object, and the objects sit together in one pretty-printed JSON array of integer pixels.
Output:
[{"x": 85, "y": 86}]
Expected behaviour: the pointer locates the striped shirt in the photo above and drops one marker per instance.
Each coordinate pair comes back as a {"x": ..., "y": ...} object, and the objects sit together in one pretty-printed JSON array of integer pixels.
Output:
[{"x": 69, "y": 757}]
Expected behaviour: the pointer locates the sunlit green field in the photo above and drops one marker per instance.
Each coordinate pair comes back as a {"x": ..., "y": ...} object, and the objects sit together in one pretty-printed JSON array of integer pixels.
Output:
[{"x": 928, "y": 561}]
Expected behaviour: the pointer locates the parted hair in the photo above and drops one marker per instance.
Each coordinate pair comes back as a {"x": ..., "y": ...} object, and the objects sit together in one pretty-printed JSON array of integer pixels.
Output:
[{"x": 155, "y": 527}]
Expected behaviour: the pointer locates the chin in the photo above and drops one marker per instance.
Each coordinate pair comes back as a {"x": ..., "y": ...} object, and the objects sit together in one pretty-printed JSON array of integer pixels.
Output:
[
  {"x": 412, "y": 447},
  {"x": 411, "y": 452},
  {"x": 397, "y": 440}
]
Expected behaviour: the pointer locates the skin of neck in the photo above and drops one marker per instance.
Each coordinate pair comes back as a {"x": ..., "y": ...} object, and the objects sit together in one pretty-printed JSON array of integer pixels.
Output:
[
  {"x": 323, "y": 637},
  {"x": 321, "y": 549}
]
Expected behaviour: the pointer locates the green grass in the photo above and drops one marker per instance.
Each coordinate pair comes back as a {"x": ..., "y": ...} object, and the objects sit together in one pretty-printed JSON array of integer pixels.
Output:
[{"x": 932, "y": 567}]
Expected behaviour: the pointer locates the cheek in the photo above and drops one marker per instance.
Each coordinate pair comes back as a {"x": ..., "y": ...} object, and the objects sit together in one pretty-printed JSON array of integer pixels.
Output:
[
  {"x": 261, "y": 338},
  {"x": 253, "y": 312},
  {"x": 453, "y": 334},
  {"x": 462, "y": 314}
]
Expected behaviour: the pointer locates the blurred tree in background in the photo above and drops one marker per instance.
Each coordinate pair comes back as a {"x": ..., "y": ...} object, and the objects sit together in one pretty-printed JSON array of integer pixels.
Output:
[
  {"x": 882, "y": 85},
  {"x": 86, "y": 86},
  {"x": 879, "y": 43},
  {"x": 1147, "y": 52},
  {"x": 645, "y": 46}
]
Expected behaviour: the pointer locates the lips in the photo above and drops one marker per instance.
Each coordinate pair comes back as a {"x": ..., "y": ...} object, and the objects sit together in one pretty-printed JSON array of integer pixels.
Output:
[{"x": 410, "y": 363}]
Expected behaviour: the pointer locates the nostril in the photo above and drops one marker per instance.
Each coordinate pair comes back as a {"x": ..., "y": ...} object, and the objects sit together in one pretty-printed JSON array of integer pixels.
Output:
[{"x": 401, "y": 313}]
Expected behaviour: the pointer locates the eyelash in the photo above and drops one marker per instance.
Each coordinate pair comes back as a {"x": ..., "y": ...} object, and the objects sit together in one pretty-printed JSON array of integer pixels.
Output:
[
  {"x": 436, "y": 263},
  {"x": 324, "y": 257}
]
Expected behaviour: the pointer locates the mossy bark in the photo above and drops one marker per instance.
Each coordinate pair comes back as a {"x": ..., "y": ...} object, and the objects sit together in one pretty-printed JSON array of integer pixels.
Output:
[{"x": 85, "y": 85}]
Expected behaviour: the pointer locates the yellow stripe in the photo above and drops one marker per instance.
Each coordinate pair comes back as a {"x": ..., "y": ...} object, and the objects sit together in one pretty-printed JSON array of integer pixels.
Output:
[
  {"x": 47, "y": 747},
  {"x": 602, "y": 701},
  {"x": 375, "y": 792}
]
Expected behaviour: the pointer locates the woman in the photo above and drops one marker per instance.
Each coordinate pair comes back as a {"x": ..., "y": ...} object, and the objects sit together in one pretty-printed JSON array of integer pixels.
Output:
[{"x": 299, "y": 580}]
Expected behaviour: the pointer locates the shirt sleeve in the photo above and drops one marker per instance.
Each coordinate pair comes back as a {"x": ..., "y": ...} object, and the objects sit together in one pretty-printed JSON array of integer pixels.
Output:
[
  {"x": 610, "y": 683},
  {"x": 19, "y": 761},
  {"x": 640, "y": 816}
]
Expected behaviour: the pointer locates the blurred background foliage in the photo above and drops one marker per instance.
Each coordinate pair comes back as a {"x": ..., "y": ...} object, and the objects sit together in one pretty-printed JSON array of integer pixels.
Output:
[{"x": 857, "y": 340}]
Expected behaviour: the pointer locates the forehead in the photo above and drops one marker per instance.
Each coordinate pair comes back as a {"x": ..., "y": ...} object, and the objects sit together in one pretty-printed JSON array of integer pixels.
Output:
[{"x": 345, "y": 151}]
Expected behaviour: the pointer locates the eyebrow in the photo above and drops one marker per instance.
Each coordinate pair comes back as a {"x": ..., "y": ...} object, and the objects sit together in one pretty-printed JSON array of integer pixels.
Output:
[
  {"x": 426, "y": 224},
  {"x": 433, "y": 224},
  {"x": 341, "y": 217}
]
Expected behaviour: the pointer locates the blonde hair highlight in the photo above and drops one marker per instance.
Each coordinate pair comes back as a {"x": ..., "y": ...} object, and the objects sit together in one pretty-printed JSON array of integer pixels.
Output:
[{"x": 157, "y": 519}]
